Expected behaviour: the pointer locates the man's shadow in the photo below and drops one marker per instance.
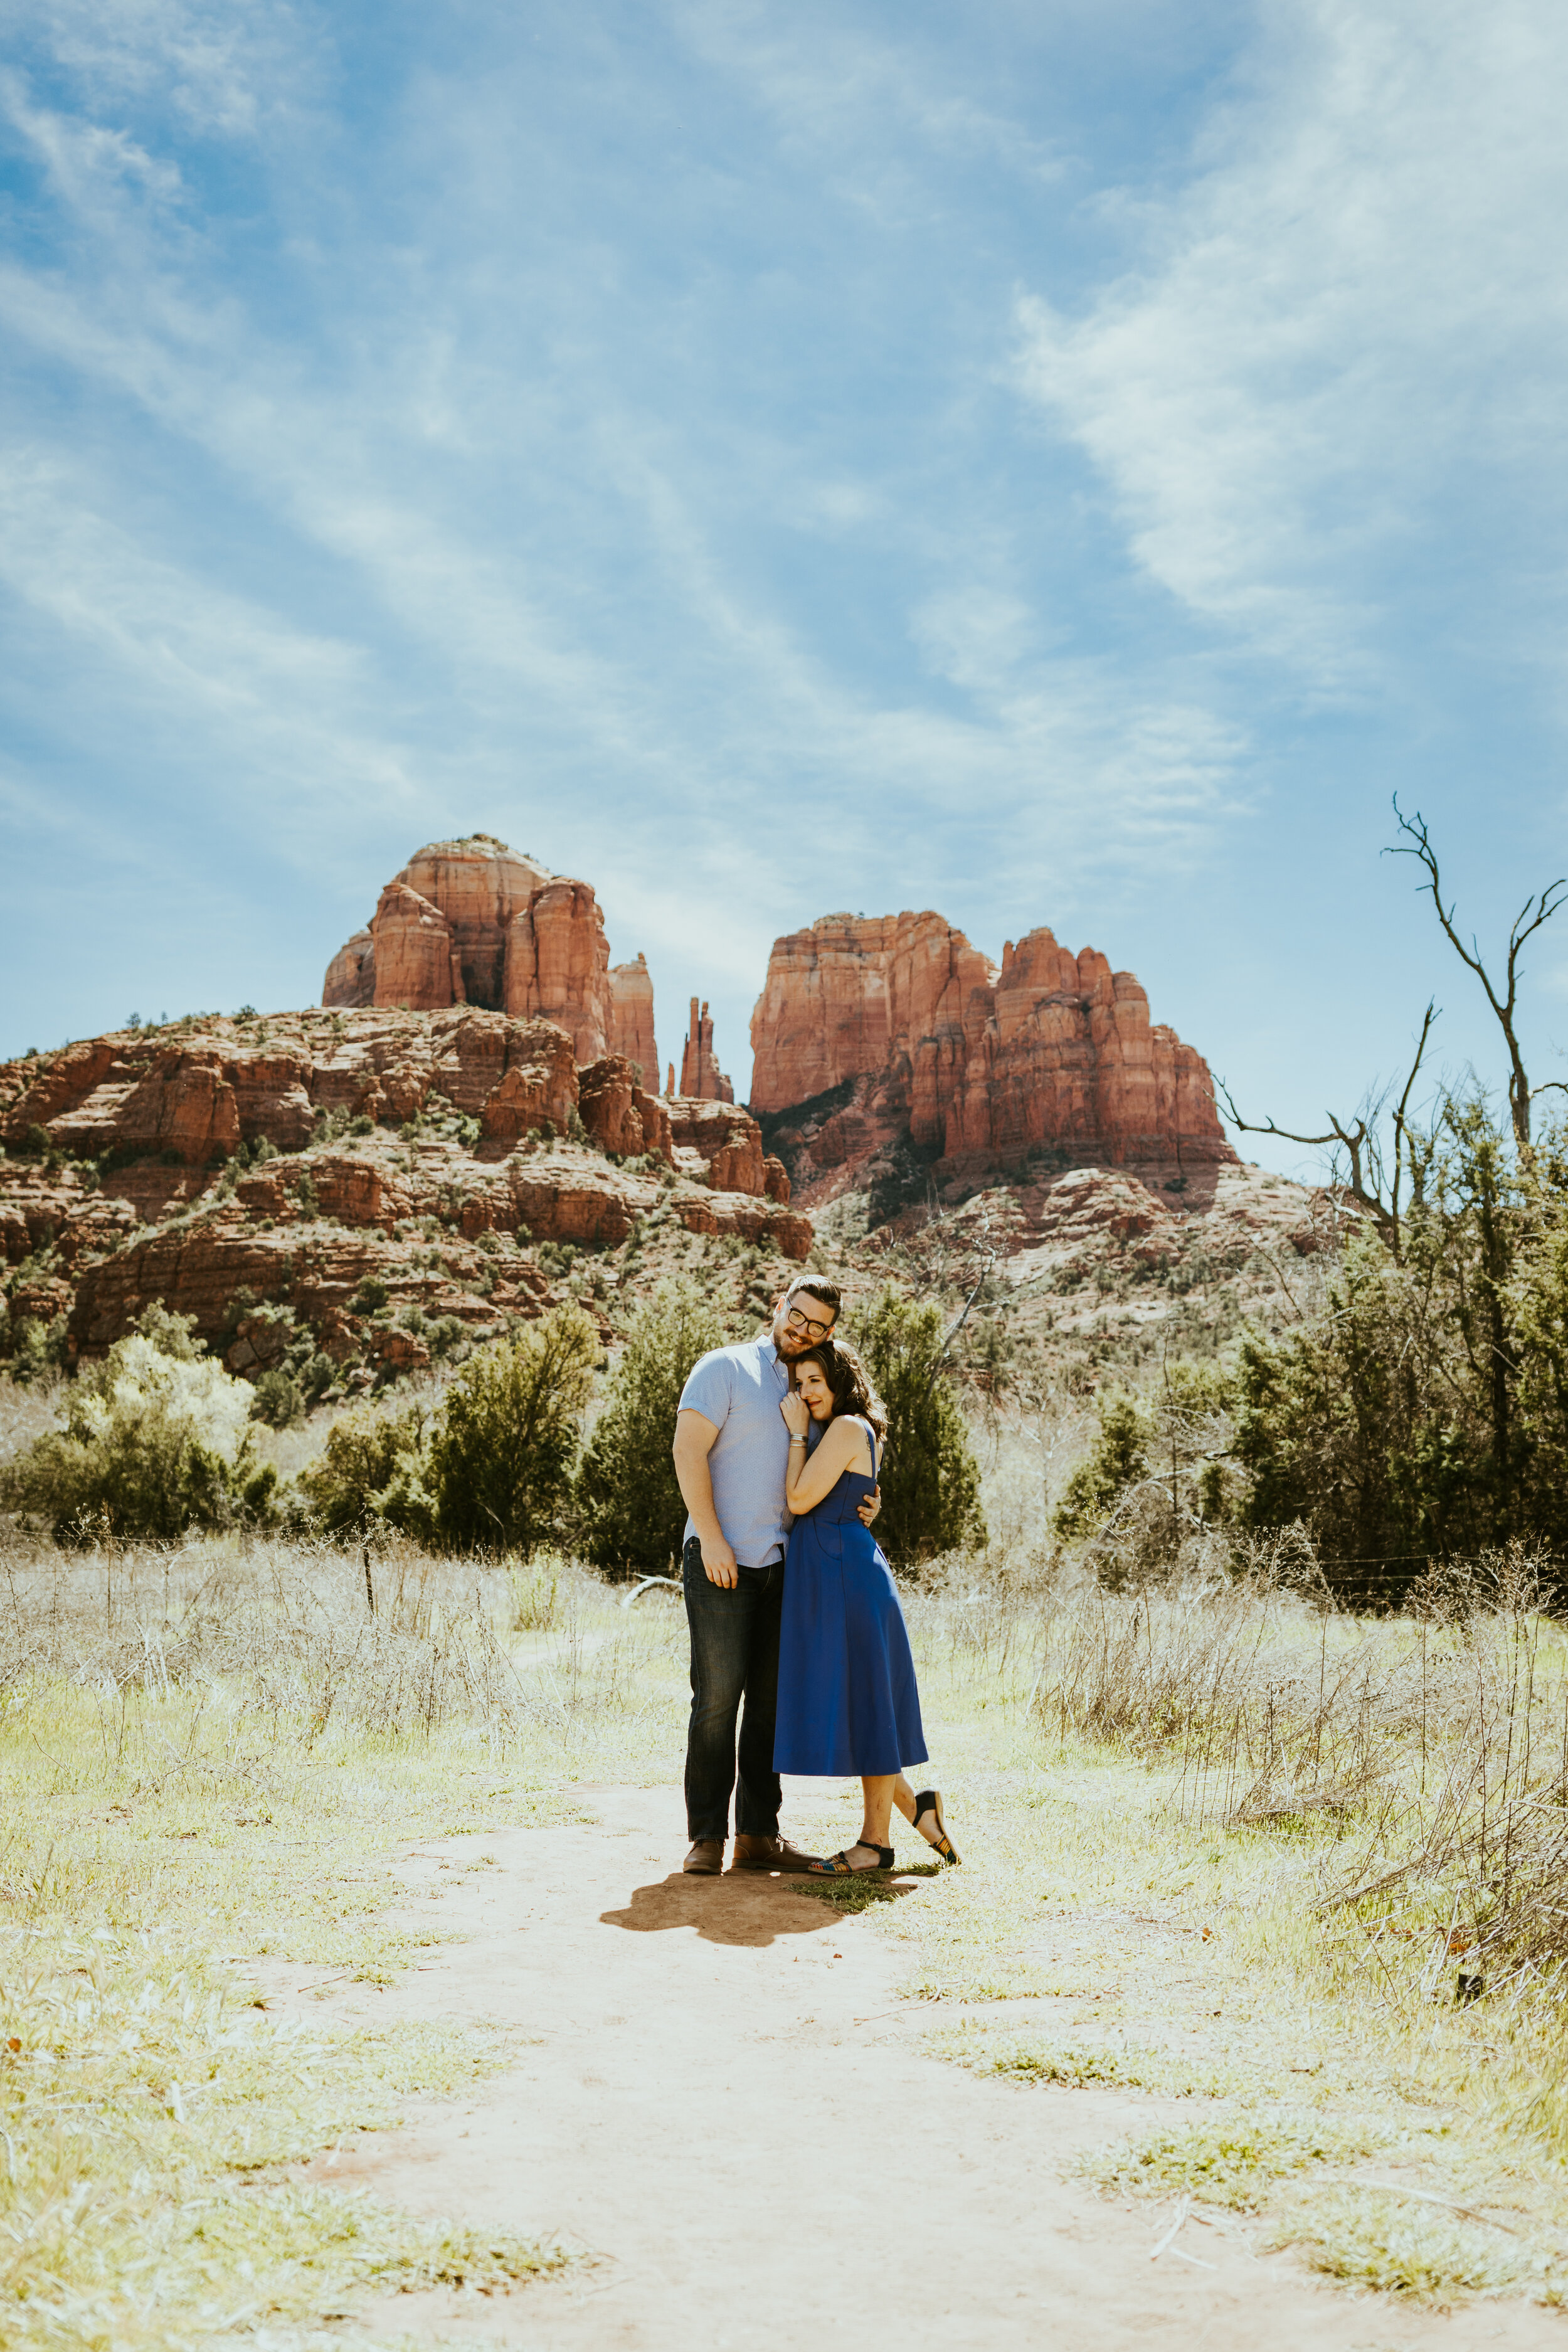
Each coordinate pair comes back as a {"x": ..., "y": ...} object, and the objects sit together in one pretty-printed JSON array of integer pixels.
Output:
[{"x": 741, "y": 1908}]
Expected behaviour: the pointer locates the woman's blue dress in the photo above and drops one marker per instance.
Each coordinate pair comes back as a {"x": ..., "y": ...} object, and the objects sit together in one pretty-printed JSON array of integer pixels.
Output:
[{"x": 848, "y": 1701}]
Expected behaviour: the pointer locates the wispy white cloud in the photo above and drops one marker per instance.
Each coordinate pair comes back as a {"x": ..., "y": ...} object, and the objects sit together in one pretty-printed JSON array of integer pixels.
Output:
[
  {"x": 1350, "y": 315},
  {"x": 852, "y": 90},
  {"x": 221, "y": 68},
  {"x": 279, "y": 700},
  {"x": 500, "y": 531}
]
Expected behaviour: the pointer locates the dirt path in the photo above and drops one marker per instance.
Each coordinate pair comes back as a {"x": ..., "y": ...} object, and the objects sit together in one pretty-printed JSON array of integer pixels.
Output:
[{"x": 721, "y": 2098}]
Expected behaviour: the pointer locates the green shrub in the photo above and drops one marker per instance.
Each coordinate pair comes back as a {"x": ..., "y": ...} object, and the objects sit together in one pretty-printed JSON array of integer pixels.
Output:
[
  {"x": 1118, "y": 1456},
  {"x": 630, "y": 1505},
  {"x": 157, "y": 1439},
  {"x": 278, "y": 1398},
  {"x": 371, "y": 1467},
  {"x": 36, "y": 1351},
  {"x": 930, "y": 1480},
  {"x": 503, "y": 1452}
]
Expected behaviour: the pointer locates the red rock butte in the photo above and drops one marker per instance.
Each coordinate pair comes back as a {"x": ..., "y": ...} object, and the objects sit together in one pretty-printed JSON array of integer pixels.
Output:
[
  {"x": 924, "y": 1035},
  {"x": 473, "y": 922}
]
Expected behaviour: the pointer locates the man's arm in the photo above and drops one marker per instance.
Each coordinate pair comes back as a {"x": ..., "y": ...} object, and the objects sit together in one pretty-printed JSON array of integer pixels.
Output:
[{"x": 694, "y": 1438}]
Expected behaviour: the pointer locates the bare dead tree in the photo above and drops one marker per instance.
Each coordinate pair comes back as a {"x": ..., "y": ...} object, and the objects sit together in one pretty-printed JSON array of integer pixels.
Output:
[
  {"x": 1363, "y": 1172},
  {"x": 987, "y": 1254},
  {"x": 1536, "y": 910}
]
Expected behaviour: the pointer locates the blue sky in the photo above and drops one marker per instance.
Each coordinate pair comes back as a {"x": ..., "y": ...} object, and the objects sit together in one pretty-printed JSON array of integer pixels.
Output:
[{"x": 1062, "y": 464}]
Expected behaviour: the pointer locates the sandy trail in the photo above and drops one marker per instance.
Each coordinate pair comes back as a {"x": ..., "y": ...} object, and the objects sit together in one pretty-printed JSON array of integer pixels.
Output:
[{"x": 722, "y": 2099}]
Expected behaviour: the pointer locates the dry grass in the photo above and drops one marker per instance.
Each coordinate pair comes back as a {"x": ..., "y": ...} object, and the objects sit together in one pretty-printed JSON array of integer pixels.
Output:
[
  {"x": 1219, "y": 1841},
  {"x": 26, "y": 1413},
  {"x": 207, "y": 1757}
]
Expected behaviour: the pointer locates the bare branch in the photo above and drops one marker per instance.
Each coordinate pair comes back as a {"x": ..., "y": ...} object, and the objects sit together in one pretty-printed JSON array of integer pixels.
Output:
[
  {"x": 1537, "y": 909},
  {"x": 1250, "y": 1127}
]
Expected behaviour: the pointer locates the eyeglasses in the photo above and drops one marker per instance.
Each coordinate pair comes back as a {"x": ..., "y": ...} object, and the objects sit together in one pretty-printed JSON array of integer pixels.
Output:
[{"x": 799, "y": 1322}]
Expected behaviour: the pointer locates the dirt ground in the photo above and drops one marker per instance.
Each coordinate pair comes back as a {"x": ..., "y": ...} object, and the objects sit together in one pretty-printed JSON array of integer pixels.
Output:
[{"x": 716, "y": 2095}]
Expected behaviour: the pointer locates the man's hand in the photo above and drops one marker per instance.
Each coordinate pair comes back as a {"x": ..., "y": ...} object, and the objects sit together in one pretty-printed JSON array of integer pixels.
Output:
[
  {"x": 719, "y": 1561},
  {"x": 871, "y": 1506},
  {"x": 694, "y": 1437}
]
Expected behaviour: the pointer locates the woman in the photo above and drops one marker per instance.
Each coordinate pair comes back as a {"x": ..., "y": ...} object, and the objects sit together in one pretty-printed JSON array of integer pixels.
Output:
[{"x": 848, "y": 1700}]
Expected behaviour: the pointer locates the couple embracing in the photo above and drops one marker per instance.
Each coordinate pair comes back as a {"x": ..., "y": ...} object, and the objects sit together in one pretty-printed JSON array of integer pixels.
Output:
[{"x": 796, "y": 1629}]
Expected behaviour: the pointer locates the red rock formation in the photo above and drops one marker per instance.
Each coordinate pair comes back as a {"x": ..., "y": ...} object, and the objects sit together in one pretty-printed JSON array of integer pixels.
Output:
[
  {"x": 198, "y": 1095},
  {"x": 1054, "y": 1050},
  {"x": 701, "y": 1077},
  {"x": 417, "y": 966},
  {"x": 537, "y": 1091},
  {"x": 631, "y": 1000},
  {"x": 558, "y": 965},
  {"x": 479, "y": 885},
  {"x": 473, "y": 922},
  {"x": 188, "y": 1223},
  {"x": 720, "y": 1142},
  {"x": 350, "y": 975},
  {"x": 619, "y": 1113}
]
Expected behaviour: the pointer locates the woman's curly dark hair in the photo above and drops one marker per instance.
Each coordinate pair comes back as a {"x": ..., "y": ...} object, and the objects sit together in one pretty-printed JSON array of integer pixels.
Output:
[{"x": 844, "y": 1370}]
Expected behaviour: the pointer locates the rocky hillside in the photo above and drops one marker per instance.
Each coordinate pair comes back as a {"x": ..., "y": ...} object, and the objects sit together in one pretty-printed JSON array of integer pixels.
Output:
[
  {"x": 462, "y": 1133},
  {"x": 356, "y": 1177}
]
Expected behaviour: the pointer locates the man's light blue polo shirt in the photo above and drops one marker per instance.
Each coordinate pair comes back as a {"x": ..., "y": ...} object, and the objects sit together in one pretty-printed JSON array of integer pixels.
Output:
[{"x": 740, "y": 1391}]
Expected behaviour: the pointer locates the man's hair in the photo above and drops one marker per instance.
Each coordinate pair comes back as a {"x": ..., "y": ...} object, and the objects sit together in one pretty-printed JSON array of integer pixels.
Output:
[{"x": 816, "y": 1285}]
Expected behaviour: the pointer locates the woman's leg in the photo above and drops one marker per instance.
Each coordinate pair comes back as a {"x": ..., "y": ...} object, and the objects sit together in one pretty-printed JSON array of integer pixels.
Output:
[
  {"x": 904, "y": 1798},
  {"x": 878, "y": 1788}
]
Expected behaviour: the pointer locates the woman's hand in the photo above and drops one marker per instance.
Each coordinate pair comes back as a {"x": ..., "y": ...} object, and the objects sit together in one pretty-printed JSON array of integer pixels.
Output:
[{"x": 796, "y": 1413}]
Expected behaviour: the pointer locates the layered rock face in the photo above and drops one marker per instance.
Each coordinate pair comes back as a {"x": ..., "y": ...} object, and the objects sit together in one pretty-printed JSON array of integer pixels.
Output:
[
  {"x": 916, "y": 1029},
  {"x": 473, "y": 922},
  {"x": 622, "y": 1117},
  {"x": 702, "y": 1079},
  {"x": 388, "y": 1130}
]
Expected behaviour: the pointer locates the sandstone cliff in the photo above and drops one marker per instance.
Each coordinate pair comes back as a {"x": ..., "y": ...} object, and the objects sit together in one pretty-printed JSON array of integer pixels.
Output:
[
  {"x": 473, "y": 922},
  {"x": 909, "y": 1031}
]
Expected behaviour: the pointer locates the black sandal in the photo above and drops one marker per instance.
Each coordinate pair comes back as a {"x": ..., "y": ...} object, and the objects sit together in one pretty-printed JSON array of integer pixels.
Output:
[
  {"x": 929, "y": 1801},
  {"x": 838, "y": 1865}
]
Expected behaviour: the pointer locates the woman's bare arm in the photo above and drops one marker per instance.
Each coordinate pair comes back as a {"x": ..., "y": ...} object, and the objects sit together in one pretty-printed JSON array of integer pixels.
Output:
[{"x": 811, "y": 1477}]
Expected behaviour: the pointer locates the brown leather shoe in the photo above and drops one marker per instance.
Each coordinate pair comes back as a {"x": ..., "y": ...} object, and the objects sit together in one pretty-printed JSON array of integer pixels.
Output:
[
  {"x": 706, "y": 1859},
  {"x": 773, "y": 1853}
]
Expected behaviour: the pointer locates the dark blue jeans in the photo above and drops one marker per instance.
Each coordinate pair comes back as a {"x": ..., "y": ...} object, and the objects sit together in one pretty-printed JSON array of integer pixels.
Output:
[{"x": 734, "y": 1672}]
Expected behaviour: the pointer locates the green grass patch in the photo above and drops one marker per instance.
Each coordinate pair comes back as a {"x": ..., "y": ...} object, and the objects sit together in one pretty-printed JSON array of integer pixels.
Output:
[
  {"x": 1029, "y": 2058},
  {"x": 852, "y": 1893},
  {"x": 1392, "y": 2245},
  {"x": 1234, "y": 2162}
]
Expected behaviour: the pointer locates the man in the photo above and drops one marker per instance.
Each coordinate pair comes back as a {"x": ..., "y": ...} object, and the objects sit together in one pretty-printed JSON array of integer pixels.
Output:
[{"x": 731, "y": 1455}]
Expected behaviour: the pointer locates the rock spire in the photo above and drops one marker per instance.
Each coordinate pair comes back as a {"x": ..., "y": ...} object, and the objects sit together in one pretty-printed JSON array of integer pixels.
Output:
[{"x": 702, "y": 1079}]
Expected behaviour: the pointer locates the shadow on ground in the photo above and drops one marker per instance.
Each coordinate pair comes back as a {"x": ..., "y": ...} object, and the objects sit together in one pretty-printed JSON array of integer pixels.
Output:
[{"x": 730, "y": 1910}]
